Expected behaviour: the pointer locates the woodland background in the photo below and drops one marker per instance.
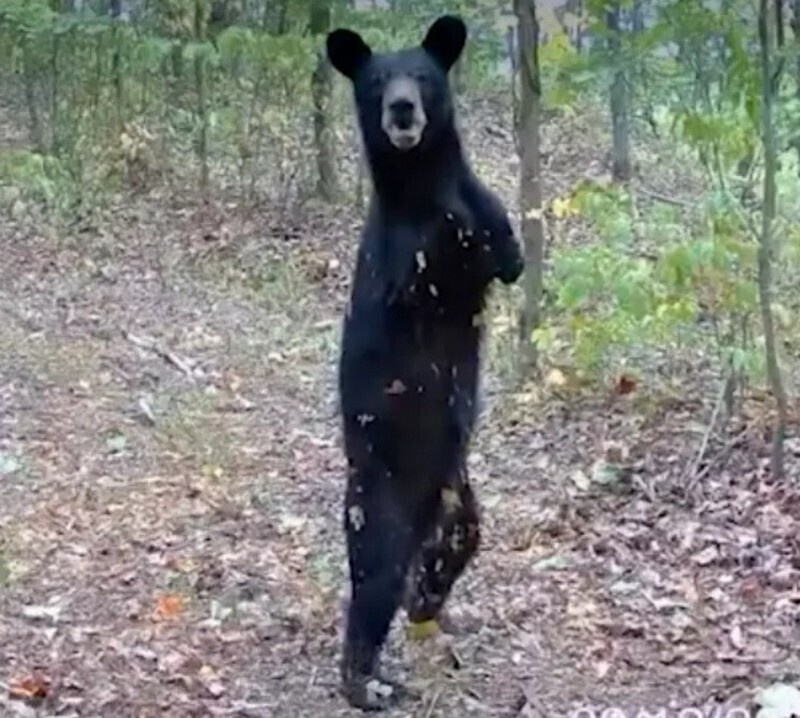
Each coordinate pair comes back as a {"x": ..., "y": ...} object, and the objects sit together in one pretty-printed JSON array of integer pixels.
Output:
[{"x": 181, "y": 194}]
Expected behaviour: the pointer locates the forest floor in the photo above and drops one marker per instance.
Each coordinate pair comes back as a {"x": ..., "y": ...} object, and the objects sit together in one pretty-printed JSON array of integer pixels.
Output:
[{"x": 171, "y": 480}]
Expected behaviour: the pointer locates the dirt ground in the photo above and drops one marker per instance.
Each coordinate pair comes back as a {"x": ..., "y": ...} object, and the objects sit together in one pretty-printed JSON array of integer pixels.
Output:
[{"x": 170, "y": 495}]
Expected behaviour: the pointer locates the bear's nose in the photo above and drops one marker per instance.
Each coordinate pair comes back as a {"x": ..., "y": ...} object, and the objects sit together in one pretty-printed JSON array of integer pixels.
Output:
[{"x": 402, "y": 113}]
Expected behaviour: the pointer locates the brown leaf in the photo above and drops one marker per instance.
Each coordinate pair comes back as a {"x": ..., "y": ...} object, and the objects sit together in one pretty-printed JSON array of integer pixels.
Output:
[
  {"x": 31, "y": 688},
  {"x": 169, "y": 605},
  {"x": 625, "y": 384},
  {"x": 750, "y": 589}
]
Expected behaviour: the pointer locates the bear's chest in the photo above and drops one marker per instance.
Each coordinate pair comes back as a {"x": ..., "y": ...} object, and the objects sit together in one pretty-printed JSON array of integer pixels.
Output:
[{"x": 435, "y": 374}]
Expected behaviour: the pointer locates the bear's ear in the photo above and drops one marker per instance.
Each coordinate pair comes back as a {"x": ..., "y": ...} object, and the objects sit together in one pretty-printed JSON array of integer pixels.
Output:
[
  {"x": 347, "y": 51},
  {"x": 445, "y": 40}
]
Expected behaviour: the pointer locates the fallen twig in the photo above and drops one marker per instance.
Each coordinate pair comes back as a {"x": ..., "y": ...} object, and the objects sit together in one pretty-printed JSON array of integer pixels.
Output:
[
  {"x": 720, "y": 456},
  {"x": 532, "y": 700},
  {"x": 432, "y": 704},
  {"x": 693, "y": 475},
  {"x": 168, "y": 356},
  {"x": 245, "y": 708},
  {"x": 664, "y": 198}
]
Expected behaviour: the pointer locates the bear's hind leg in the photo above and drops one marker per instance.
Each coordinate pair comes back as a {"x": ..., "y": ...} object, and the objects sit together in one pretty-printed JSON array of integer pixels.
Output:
[
  {"x": 444, "y": 555},
  {"x": 380, "y": 543}
]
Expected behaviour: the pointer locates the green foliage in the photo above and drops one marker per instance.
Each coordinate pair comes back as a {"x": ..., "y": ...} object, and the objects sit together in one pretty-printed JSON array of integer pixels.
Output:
[
  {"x": 609, "y": 300},
  {"x": 29, "y": 176},
  {"x": 645, "y": 284},
  {"x": 659, "y": 277},
  {"x": 234, "y": 98},
  {"x": 411, "y": 18}
]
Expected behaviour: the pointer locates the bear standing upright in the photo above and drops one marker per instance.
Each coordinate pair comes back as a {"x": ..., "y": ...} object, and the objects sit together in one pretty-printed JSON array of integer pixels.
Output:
[{"x": 434, "y": 240}]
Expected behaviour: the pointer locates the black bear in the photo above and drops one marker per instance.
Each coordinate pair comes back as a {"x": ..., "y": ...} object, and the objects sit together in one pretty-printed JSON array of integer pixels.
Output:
[{"x": 434, "y": 240}]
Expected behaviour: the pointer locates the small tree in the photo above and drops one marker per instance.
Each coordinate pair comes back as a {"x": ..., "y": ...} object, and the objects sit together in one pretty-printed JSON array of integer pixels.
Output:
[
  {"x": 200, "y": 77},
  {"x": 528, "y": 123},
  {"x": 770, "y": 32},
  {"x": 321, "y": 92},
  {"x": 620, "y": 103}
]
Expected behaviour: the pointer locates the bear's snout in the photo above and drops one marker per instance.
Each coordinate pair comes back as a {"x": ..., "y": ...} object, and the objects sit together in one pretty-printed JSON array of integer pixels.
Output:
[
  {"x": 403, "y": 118},
  {"x": 402, "y": 111}
]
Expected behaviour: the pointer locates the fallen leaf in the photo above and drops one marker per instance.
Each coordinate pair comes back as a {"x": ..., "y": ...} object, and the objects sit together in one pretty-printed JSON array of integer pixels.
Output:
[
  {"x": 421, "y": 630},
  {"x": 615, "y": 452},
  {"x": 552, "y": 563},
  {"x": 32, "y": 688},
  {"x": 581, "y": 480},
  {"x": 602, "y": 668},
  {"x": 116, "y": 443},
  {"x": 689, "y": 589},
  {"x": 41, "y": 612},
  {"x": 169, "y": 605},
  {"x": 750, "y": 589},
  {"x": 625, "y": 385},
  {"x": 736, "y": 637},
  {"x": 706, "y": 557},
  {"x": 8, "y": 464},
  {"x": 211, "y": 682},
  {"x": 174, "y": 662},
  {"x": 219, "y": 611},
  {"x": 604, "y": 473},
  {"x": 146, "y": 411},
  {"x": 146, "y": 654},
  {"x": 563, "y": 207},
  {"x": 288, "y": 523},
  {"x": 492, "y": 501}
]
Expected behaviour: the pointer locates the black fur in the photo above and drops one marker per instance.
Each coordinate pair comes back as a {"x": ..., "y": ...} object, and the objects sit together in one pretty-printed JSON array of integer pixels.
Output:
[{"x": 434, "y": 239}]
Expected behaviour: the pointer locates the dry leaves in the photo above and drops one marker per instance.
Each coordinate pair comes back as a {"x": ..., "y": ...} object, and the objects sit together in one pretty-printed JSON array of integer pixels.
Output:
[
  {"x": 608, "y": 591},
  {"x": 169, "y": 605},
  {"x": 32, "y": 688}
]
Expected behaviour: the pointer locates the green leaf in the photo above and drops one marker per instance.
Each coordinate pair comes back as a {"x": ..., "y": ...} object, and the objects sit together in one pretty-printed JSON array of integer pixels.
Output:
[
  {"x": 553, "y": 563},
  {"x": 604, "y": 473},
  {"x": 9, "y": 464},
  {"x": 116, "y": 443}
]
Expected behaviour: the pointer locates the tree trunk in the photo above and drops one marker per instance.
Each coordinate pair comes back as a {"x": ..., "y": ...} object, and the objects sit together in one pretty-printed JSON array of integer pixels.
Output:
[
  {"x": 528, "y": 123},
  {"x": 459, "y": 80},
  {"x": 116, "y": 59},
  {"x": 637, "y": 17},
  {"x": 35, "y": 130},
  {"x": 202, "y": 100},
  {"x": 621, "y": 162},
  {"x": 579, "y": 27},
  {"x": 322, "y": 92},
  {"x": 769, "y": 85},
  {"x": 796, "y": 30}
]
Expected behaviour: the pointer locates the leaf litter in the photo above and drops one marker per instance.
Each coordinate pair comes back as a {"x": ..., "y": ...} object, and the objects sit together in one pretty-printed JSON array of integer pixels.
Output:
[{"x": 173, "y": 535}]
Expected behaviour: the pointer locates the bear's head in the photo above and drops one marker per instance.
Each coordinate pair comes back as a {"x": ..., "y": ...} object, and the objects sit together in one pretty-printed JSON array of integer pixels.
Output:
[{"x": 403, "y": 98}]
